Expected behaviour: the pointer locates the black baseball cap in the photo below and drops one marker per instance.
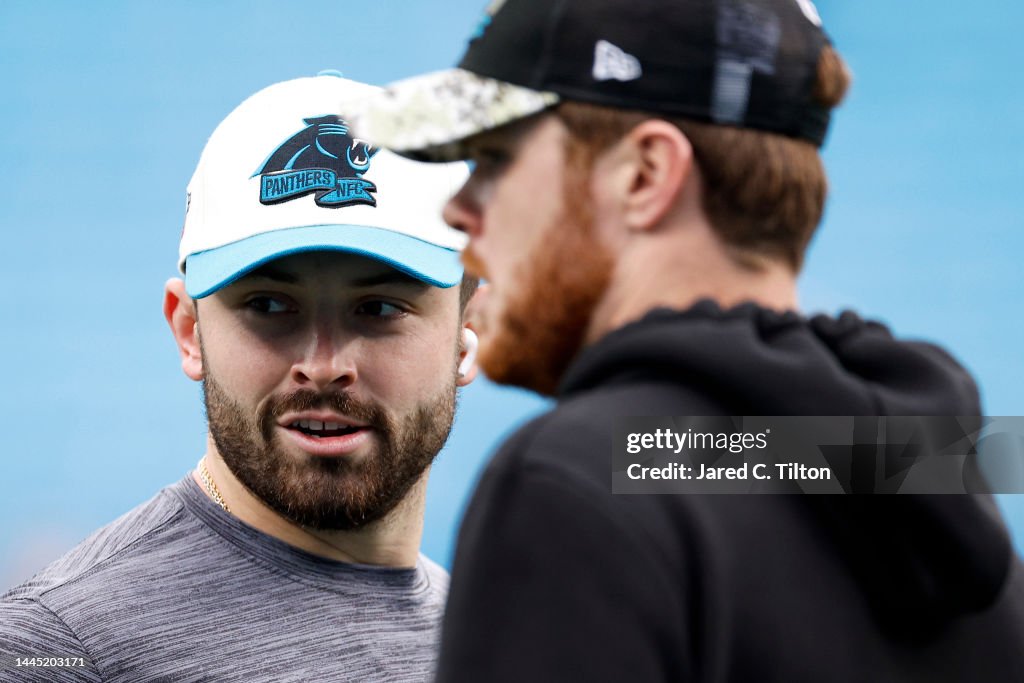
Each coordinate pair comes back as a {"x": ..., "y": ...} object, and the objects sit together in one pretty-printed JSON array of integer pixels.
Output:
[{"x": 746, "y": 63}]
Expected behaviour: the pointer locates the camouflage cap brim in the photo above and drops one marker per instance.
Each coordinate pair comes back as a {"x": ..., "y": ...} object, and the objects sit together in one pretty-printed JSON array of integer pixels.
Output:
[{"x": 428, "y": 117}]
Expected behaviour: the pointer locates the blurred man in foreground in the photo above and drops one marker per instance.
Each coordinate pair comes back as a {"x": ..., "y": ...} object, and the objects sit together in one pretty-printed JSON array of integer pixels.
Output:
[
  {"x": 321, "y": 308},
  {"x": 646, "y": 182}
]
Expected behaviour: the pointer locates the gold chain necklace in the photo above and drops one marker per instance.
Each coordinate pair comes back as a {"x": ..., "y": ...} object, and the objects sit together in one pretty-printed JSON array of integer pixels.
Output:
[{"x": 211, "y": 487}]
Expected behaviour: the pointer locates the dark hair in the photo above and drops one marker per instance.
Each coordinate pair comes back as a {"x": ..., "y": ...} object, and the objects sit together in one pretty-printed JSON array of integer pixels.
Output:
[{"x": 466, "y": 289}]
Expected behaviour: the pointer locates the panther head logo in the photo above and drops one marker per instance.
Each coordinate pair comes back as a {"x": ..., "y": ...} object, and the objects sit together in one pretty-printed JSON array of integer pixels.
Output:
[{"x": 322, "y": 158}]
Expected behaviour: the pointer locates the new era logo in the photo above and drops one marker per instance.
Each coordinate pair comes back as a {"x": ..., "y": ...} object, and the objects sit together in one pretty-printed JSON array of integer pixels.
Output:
[
  {"x": 810, "y": 11},
  {"x": 614, "y": 63}
]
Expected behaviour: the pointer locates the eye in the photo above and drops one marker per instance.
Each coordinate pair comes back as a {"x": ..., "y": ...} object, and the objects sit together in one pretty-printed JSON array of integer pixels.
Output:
[
  {"x": 380, "y": 309},
  {"x": 489, "y": 159},
  {"x": 269, "y": 305}
]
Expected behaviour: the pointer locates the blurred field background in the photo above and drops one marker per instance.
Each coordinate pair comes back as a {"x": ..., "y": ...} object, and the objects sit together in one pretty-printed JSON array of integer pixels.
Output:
[{"x": 106, "y": 107}]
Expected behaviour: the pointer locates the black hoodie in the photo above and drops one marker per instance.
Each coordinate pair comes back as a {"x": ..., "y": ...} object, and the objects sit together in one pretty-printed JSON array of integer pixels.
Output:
[{"x": 556, "y": 579}]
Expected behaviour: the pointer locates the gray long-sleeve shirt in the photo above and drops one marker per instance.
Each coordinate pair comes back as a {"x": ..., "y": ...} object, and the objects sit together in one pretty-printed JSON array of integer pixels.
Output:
[{"x": 178, "y": 590}]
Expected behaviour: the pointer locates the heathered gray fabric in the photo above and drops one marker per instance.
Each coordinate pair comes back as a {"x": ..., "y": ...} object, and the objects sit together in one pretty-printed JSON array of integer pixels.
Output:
[{"x": 178, "y": 590}]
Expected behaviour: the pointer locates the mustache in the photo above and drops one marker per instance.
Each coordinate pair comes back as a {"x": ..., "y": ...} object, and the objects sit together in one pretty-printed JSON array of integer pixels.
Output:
[
  {"x": 474, "y": 265},
  {"x": 335, "y": 401}
]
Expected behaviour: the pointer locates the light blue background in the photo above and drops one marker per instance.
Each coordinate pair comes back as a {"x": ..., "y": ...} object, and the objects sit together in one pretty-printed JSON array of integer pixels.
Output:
[{"x": 105, "y": 109}]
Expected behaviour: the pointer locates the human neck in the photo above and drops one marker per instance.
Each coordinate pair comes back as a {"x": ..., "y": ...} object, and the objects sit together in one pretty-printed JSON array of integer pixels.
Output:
[
  {"x": 678, "y": 268},
  {"x": 392, "y": 541}
]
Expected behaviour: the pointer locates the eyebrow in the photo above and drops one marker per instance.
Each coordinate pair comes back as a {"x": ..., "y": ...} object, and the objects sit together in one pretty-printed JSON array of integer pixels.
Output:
[
  {"x": 269, "y": 272},
  {"x": 387, "y": 277}
]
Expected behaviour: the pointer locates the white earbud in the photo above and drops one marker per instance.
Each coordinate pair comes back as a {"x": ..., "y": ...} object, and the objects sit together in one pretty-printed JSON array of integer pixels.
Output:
[{"x": 470, "y": 342}]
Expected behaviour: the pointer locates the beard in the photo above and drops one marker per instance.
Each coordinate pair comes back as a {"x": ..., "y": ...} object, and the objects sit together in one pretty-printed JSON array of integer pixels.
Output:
[
  {"x": 328, "y": 493},
  {"x": 550, "y": 301}
]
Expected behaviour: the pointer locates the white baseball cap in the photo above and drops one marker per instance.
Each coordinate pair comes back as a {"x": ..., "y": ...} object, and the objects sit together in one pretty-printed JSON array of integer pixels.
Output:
[{"x": 282, "y": 174}]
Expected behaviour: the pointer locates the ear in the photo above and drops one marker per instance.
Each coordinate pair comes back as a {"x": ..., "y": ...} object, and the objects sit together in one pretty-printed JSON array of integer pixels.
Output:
[
  {"x": 180, "y": 314},
  {"x": 467, "y": 357},
  {"x": 661, "y": 164}
]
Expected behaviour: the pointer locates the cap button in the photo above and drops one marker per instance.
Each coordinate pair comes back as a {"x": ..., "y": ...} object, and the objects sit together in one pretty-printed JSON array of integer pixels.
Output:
[{"x": 331, "y": 72}]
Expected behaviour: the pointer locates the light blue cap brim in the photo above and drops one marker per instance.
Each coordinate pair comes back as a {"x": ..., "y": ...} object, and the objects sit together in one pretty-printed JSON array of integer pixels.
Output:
[{"x": 208, "y": 271}]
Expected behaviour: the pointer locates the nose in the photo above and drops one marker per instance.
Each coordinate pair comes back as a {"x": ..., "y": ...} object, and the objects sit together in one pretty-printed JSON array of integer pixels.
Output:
[
  {"x": 328, "y": 361},
  {"x": 462, "y": 211}
]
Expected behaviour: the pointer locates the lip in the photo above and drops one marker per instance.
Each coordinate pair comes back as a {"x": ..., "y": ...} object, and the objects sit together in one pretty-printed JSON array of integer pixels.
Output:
[
  {"x": 326, "y": 446},
  {"x": 329, "y": 446}
]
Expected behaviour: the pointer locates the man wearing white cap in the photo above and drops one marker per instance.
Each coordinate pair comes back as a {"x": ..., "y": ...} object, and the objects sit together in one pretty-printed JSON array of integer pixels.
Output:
[{"x": 321, "y": 308}]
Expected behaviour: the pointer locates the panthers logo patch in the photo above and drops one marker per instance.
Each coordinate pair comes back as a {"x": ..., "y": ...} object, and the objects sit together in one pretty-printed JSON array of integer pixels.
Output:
[{"x": 321, "y": 158}]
